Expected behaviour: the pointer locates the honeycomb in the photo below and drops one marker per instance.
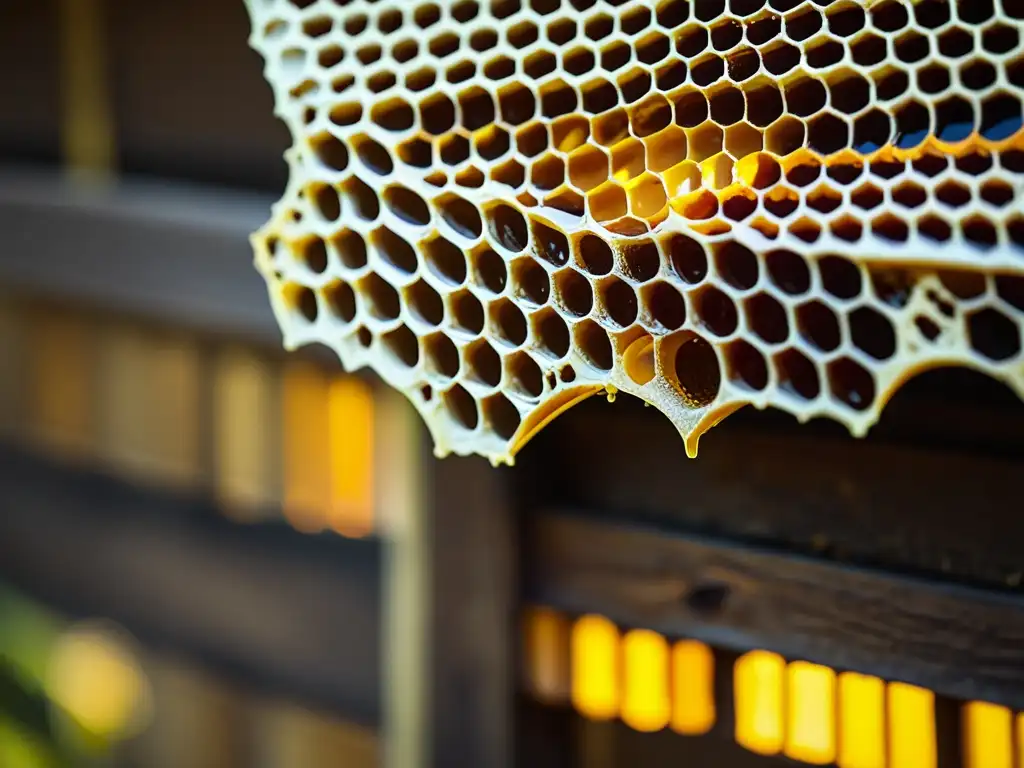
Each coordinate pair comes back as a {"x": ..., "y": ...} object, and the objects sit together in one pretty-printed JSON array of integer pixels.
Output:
[{"x": 506, "y": 206}]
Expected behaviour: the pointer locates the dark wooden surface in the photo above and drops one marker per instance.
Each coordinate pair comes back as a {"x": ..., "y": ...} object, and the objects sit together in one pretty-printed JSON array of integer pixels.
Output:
[
  {"x": 295, "y": 615},
  {"x": 934, "y": 489},
  {"x": 189, "y": 96},
  {"x": 30, "y": 117},
  {"x": 959, "y": 641},
  {"x": 474, "y": 614},
  {"x": 175, "y": 253}
]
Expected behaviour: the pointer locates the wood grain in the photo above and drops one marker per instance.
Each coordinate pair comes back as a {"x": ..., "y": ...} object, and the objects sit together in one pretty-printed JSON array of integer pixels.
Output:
[{"x": 961, "y": 642}]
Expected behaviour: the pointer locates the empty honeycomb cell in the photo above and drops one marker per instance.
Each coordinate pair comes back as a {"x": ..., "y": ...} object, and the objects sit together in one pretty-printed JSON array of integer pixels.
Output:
[
  {"x": 381, "y": 297},
  {"x": 403, "y": 345},
  {"x": 442, "y": 355},
  {"x": 872, "y": 332},
  {"x": 424, "y": 303},
  {"x": 819, "y": 325},
  {"x": 617, "y": 301},
  {"x": 605, "y": 152},
  {"x": 851, "y": 383},
  {"x": 340, "y": 300},
  {"x": 508, "y": 322},
  {"x": 573, "y": 293},
  {"x": 594, "y": 344},
  {"x": 393, "y": 250},
  {"x": 746, "y": 365},
  {"x": 466, "y": 311},
  {"x": 483, "y": 364},
  {"x": 767, "y": 318},
  {"x": 406, "y": 205},
  {"x": 360, "y": 198}
]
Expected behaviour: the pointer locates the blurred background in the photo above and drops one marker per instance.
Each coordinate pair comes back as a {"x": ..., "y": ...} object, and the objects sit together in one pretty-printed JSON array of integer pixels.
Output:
[{"x": 216, "y": 554}]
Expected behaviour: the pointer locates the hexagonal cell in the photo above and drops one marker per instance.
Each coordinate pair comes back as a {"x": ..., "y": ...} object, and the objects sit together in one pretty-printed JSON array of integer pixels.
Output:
[
  {"x": 507, "y": 322},
  {"x": 340, "y": 300},
  {"x": 682, "y": 179},
  {"x": 638, "y": 360},
  {"x": 851, "y": 383},
  {"x": 628, "y": 159},
  {"x": 819, "y": 325},
  {"x": 330, "y": 151},
  {"x": 824, "y": 198},
  {"x": 453, "y": 148},
  {"x": 705, "y": 141},
  {"x": 482, "y": 363},
  {"x": 524, "y": 376},
  {"x": 618, "y": 301},
  {"x": 557, "y": 98},
  {"x": 646, "y": 195},
  {"x": 867, "y": 196},
  {"x": 979, "y": 231},
  {"x": 789, "y": 271},
  {"x": 736, "y": 264},
  {"x": 466, "y": 312},
  {"x": 688, "y": 258},
  {"x": 840, "y": 276},
  {"x": 693, "y": 369},
  {"x": 403, "y": 346},
  {"x": 785, "y": 135},
  {"x": 437, "y": 114},
  {"x": 394, "y": 250},
  {"x": 530, "y": 281},
  {"x": 872, "y": 332},
  {"x": 461, "y": 407},
  {"x": 743, "y": 139},
  {"x": 549, "y": 243},
  {"x": 350, "y": 248},
  {"x": 593, "y": 342},
  {"x": 507, "y": 226},
  {"x": 796, "y": 374},
  {"x": 607, "y": 201},
  {"x": 488, "y": 268},
  {"x": 406, "y": 205},
  {"x": 441, "y": 355},
  {"x": 665, "y": 148},
  {"x": 547, "y": 171},
  {"x": 444, "y": 259},
  {"x": 663, "y": 306},
  {"x": 767, "y": 318},
  {"x": 416, "y": 152},
  {"x": 746, "y": 365},
  {"x": 573, "y": 292},
  {"x": 828, "y": 133},
  {"x": 847, "y": 227},
  {"x": 891, "y": 227},
  {"x": 650, "y": 115},
  {"x": 550, "y": 332},
  {"x": 588, "y": 167},
  {"x": 1001, "y": 116},
  {"x": 511, "y": 172},
  {"x": 738, "y": 202},
  {"x": 424, "y": 303},
  {"x": 380, "y": 297},
  {"x": 716, "y": 311},
  {"x": 516, "y": 103}
]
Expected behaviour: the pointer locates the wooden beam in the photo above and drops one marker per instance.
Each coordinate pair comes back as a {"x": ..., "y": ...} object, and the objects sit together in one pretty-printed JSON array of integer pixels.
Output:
[
  {"x": 297, "y": 616},
  {"x": 958, "y": 641}
]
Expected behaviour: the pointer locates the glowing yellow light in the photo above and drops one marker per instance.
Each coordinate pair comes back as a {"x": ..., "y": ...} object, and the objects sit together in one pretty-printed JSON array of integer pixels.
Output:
[
  {"x": 19, "y": 749},
  {"x": 243, "y": 443},
  {"x": 811, "y": 735},
  {"x": 351, "y": 436},
  {"x": 595, "y": 667},
  {"x": 861, "y": 721},
  {"x": 546, "y": 649},
  {"x": 758, "y": 680},
  {"x": 693, "y": 693},
  {"x": 989, "y": 736},
  {"x": 645, "y": 696},
  {"x": 307, "y": 479},
  {"x": 911, "y": 727},
  {"x": 95, "y": 677}
]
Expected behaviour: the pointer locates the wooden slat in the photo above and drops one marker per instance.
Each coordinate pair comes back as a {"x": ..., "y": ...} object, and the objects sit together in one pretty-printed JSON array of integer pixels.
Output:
[
  {"x": 958, "y": 641},
  {"x": 808, "y": 488},
  {"x": 295, "y": 615}
]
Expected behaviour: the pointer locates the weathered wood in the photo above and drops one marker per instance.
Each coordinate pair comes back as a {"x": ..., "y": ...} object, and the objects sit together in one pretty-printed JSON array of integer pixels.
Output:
[
  {"x": 295, "y": 615},
  {"x": 902, "y": 499},
  {"x": 958, "y": 641},
  {"x": 473, "y": 614}
]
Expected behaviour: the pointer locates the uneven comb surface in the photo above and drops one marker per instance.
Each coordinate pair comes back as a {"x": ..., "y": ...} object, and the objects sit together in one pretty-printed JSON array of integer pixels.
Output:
[{"x": 505, "y": 206}]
